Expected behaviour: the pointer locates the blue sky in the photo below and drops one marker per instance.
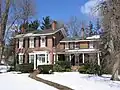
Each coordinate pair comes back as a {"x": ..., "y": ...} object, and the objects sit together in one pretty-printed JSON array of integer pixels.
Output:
[{"x": 62, "y": 10}]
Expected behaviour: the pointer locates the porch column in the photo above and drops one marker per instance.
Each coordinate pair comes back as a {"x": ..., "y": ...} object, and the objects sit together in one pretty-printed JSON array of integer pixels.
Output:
[
  {"x": 70, "y": 57},
  {"x": 83, "y": 58},
  {"x": 57, "y": 57},
  {"x": 34, "y": 61},
  {"x": 98, "y": 56}
]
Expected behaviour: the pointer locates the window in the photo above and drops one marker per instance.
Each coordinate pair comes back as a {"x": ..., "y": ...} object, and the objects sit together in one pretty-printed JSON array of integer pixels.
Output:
[
  {"x": 71, "y": 45},
  {"x": 31, "y": 58},
  {"x": 84, "y": 45},
  {"x": 20, "y": 59},
  {"x": 67, "y": 45},
  {"x": 41, "y": 58},
  {"x": 43, "y": 41},
  {"x": 91, "y": 45},
  {"x": 31, "y": 42},
  {"x": 21, "y": 43},
  {"x": 77, "y": 45}
]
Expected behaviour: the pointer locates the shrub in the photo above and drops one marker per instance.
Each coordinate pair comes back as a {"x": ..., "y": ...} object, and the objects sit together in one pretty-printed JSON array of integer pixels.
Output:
[
  {"x": 58, "y": 68},
  {"x": 82, "y": 69},
  {"x": 25, "y": 68},
  {"x": 68, "y": 70},
  {"x": 90, "y": 68},
  {"x": 64, "y": 64},
  {"x": 45, "y": 69}
]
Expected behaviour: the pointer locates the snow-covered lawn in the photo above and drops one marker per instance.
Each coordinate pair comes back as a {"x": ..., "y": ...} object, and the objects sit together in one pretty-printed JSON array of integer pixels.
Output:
[
  {"x": 12, "y": 81},
  {"x": 78, "y": 81}
]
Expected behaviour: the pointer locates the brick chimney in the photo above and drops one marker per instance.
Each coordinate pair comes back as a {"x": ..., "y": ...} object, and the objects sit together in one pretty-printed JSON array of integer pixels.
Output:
[
  {"x": 22, "y": 30},
  {"x": 54, "y": 24}
]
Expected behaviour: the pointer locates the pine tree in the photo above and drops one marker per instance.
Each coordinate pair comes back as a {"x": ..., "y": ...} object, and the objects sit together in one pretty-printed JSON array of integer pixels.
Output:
[
  {"x": 90, "y": 28},
  {"x": 34, "y": 25},
  {"x": 46, "y": 24},
  {"x": 97, "y": 26}
]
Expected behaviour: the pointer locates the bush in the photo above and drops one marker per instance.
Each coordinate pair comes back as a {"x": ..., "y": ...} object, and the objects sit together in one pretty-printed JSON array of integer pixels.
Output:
[
  {"x": 82, "y": 69},
  {"x": 25, "y": 68},
  {"x": 45, "y": 69},
  {"x": 68, "y": 70},
  {"x": 91, "y": 68},
  {"x": 58, "y": 68},
  {"x": 64, "y": 64}
]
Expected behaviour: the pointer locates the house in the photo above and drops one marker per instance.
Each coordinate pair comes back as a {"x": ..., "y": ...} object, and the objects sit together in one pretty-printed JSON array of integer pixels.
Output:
[{"x": 47, "y": 46}]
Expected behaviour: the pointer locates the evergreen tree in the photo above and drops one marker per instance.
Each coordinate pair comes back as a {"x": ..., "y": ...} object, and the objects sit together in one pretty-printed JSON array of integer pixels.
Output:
[
  {"x": 90, "y": 28},
  {"x": 46, "y": 24},
  {"x": 97, "y": 26},
  {"x": 34, "y": 25}
]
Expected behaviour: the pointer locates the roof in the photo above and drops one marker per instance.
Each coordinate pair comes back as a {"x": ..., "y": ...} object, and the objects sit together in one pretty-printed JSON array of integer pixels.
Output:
[{"x": 41, "y": 33}]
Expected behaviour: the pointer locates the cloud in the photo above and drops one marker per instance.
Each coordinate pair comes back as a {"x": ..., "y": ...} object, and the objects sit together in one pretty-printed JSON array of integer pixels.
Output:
[{"x": 89, "y": 7}]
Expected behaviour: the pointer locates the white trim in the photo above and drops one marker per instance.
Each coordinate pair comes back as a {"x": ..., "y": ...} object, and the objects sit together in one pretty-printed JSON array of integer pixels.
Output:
[
  {"x": 82, "y": 50},
  {"x": 77, "y": 40},
  {"x": 32, "y": 35},
  {"x": 98, "y": 56},
  {"x": 43, "y": 44},
  {"x": 83, "y": 58},
  {"x": 21, "y": 54},
  {"x": 35, "y": 61}
]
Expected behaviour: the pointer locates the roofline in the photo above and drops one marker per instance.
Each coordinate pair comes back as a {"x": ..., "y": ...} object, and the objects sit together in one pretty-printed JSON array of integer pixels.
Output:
[
  {"x": 78, "y": 40},
  {"x": 23, "y": 35}
]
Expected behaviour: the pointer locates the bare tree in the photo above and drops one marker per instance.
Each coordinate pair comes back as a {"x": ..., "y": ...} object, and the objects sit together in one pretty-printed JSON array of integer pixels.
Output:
[
  {"x": 110, "y": 13},
  {"x": 74, "y": 27},
  {"x": 14, "y": 11}
]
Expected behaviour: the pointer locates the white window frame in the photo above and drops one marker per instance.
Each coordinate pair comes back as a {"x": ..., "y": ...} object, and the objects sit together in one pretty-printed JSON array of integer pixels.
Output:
[
  {"x": 43, "y": 43},
  {"x": 66, "y": 45},
  {"x": 91, "y": 45},
  {"x": 31, "y": 58},
  {"x": 21, "y": 43},
  {"x": 21, "y": 60},
  {"x": 31, "y": 42},
  {"x": 47, "y": 57}
]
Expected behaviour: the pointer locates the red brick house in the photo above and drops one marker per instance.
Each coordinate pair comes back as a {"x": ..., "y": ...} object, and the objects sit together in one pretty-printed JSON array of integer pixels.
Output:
[{"x": 47, "y": 46}]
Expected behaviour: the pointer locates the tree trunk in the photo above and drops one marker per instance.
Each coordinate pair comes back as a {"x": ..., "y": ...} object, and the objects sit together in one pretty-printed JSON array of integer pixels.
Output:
[
  {"x": 3, "y": 27},
  {"x": 116, "y": 69}
]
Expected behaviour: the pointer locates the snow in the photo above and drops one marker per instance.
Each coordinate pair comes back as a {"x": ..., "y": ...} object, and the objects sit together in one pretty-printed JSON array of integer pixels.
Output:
[
  {"x": 14, "y": 81},
  {"x": 78, "y": 81},
  {"x": 94, "y": 37}
]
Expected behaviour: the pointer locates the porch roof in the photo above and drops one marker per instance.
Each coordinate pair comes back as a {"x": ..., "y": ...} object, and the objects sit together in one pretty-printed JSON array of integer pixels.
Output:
[{"x": 79, "y": 51}]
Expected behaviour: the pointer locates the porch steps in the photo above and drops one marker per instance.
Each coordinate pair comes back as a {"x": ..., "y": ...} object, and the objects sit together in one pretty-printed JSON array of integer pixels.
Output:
[{"x": 75, "y": 68}]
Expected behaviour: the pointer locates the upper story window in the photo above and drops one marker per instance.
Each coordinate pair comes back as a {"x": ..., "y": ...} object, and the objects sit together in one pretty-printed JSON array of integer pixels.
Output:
[
  {"x": 43, "y": 41},
  {"x": 71, "y": 45},
  {"x": 77, "y": 45},
  {"x": 66, "y": 45},
  {"x": 31, "y": 42},
  {"x": 91, "y": 45},
  {"x": 21, "y": 43},
  {"x": 84, "y": 45}
]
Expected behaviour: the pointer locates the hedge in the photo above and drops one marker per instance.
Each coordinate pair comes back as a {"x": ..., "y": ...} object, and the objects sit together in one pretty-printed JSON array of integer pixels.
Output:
[{"x": 25, "y": 68}]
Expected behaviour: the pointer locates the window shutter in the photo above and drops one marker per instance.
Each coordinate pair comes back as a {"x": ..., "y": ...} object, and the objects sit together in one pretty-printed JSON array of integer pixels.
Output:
[{"x": 28, "y": 42}]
